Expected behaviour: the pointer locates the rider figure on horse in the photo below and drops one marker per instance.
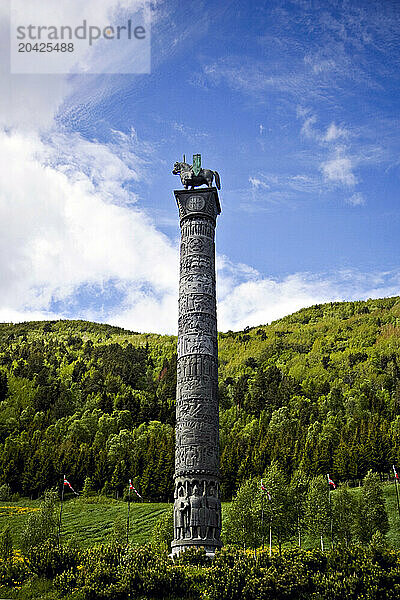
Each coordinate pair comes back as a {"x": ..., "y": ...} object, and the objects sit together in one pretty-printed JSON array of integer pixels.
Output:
[{"x": 194, "y": 175}]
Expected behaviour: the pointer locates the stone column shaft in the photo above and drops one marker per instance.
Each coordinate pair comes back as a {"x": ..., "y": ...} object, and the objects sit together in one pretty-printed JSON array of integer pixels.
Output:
[{"x": 197, "y": 508}]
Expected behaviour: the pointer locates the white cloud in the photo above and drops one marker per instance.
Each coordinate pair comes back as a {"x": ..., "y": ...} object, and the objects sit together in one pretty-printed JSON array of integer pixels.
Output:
[
  {"x": 339, "y": 171},
  {"x": 31, "y": 102},
  {"x": 257, "y": 183},
  {"x": 334, "y": 132},
  {"x": 356, "y": 199},
  {"x": 59, "y": 231},
  {"x": 65, "y": 221},
  {"x": 308, "y": 128},
  {"x": 260, "y": 300}
]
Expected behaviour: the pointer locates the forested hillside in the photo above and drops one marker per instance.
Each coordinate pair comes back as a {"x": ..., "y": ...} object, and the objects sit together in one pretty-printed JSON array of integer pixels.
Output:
[{"x": 317, "y": 390}]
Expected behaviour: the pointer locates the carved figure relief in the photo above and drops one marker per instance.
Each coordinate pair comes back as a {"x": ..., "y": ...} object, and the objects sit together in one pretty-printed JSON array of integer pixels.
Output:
[
  {"x": 197, "y": 264},
  {"x": 198, "y": 323},
  {"x": 197, "y": 509},
  {"x": 197, "y": 303},
  {"x": 181, "y": 514},
  {"x": 197, "y": 408},
  {"x": 196, "y": 457},
  {"x": 194, "y": 387},
  {"x": 196, "y": 343},
  {"x": 214, "y": 514},
  {"x": 197, "y": 287},
  {"x": 197, "y": 245},
  {"x": 191, "y": 432},
  {"x": 197, "y": 366},
  {"x": 197, "y": 227},
  {"x": 196, "y": 520}
]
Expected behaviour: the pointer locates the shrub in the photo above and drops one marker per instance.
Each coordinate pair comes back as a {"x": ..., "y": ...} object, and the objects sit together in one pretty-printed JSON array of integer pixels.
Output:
[
  {"x": 6, "y": 544},
  {"x": 163, "y": 530},
  {"x": 47, "y": 560},
  {"x": 14, "y": 571},
  {"x": 193, "y": 556},
  {"x": 5, "y": 493},
  {"x": 41, "y": 525}
]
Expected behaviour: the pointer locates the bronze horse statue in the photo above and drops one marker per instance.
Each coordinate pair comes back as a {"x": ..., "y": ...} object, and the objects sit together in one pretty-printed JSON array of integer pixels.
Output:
[{"x": 188, "y": 177}]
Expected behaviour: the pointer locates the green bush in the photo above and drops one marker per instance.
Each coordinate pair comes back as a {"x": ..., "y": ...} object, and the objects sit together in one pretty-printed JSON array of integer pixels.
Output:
[
  {"x": 6, "y": 544},
  {"x": 193, "y": 556},
  {"x": 5, "y": 493},
  {"x": 14, "y": 571},
  {"x": 42, "y": 525},
  {"x": 47, "y": 560},
  {"x": 163, "y": 530}
]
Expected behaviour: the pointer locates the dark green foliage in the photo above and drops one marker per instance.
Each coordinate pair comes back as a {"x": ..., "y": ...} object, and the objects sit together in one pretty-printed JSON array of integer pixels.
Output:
[
  {"x": 318, "y": 390},
  {"x": 48, "y": 560},
  {"x": 120, "y": 572},
  {"x": 6, "y": 544},
  {"x": 372, "y": 515},
  {"x": 318, "y": 509},
  {"x": 163, "y": 531},
  {"x": 3, "y": 385},
  {"x": 344, "y": 515},
  {"x": 42, "y": 525}
]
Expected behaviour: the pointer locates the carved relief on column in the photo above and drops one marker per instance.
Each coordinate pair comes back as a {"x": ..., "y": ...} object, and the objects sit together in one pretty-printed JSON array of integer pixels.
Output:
[{"x": 197, "y": 510}]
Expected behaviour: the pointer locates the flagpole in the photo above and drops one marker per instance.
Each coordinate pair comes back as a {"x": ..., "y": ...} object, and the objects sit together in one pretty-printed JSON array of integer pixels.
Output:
[
  {"x": 397, "y": 491},
  {"x": 61, "y": 508},
  {"x": 129, "y": 507},
  {"x": 330, "y": 514},
  {"x": 270, "y": 537},
  {"x": 262, "y": 518}
]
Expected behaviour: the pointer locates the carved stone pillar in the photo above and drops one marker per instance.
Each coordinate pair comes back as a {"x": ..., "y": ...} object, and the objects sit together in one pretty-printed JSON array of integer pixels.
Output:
[{"x": 197, "y": 507}]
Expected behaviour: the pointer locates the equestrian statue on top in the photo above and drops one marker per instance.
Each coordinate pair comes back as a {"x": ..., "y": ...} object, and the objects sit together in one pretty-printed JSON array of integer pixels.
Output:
[{"x": 194, "y": 175}]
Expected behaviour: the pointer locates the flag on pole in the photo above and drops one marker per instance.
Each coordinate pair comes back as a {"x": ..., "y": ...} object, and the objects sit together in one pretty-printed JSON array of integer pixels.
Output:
[
  {"x": 134, "y": 489},
  {"x": 67, "y": 483},
  {"x": 395, "y": 473},
  {"x": 331, "y": 482},
  {"x": 264, "y": 489}
]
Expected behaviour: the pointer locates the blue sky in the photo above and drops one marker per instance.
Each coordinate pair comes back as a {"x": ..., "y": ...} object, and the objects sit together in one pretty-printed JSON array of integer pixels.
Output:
[{"x": 296, "y": 105}]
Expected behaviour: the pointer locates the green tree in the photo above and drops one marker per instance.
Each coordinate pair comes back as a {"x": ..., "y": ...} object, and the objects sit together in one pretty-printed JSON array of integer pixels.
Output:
[
  {"x": 343, "y": 514},
  {"x": 5, "y": 492},
  {"x": 278, "y": 511},
  {"x": 243, "y": 517},
  {"x": 88, "y": 489},
  {"x": 298, "y": 494},
  {"x": 318, "y": 509},
  {"x": 42, "y": 525},
  {"x": 372, "y": 515}
]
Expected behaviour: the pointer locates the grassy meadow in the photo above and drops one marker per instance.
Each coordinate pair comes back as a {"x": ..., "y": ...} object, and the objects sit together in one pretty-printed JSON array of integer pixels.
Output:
[
  {"x": 88, "y": 521},
  {"x": 91, "y": 521}
]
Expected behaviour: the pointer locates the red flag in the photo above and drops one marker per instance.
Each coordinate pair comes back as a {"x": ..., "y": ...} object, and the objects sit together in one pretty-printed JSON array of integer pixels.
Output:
[
  {"x": 66, "y": 482},
  {"x": 264, "y": 489},
  {"x": 331, "y": 482},
  {"x": 134, "y": 489},
  {"x": 395, "y": 473}
]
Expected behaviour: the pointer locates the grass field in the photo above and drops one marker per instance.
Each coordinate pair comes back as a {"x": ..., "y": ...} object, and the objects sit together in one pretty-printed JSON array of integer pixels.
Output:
[
  {"x": 92, "y": 521},
  {"x": 88, "y": 522}
]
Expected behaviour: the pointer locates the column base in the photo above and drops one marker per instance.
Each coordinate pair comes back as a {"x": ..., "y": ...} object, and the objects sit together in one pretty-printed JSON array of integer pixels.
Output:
[{"x": 210, "y": 546}]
